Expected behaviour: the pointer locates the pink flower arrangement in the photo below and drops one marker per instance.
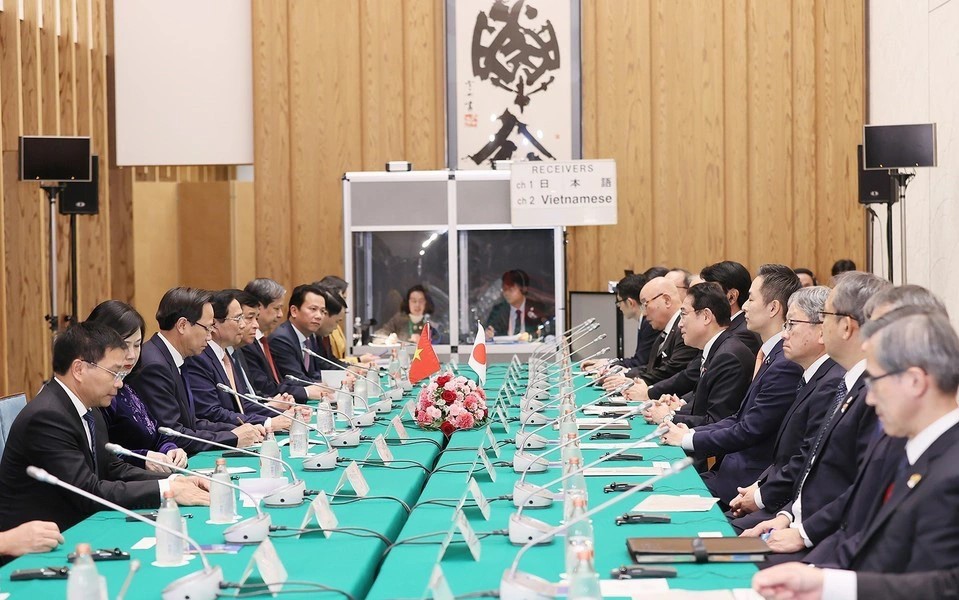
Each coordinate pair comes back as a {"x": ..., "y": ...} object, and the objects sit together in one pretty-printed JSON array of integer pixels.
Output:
[{"x": 450, "y": 403}]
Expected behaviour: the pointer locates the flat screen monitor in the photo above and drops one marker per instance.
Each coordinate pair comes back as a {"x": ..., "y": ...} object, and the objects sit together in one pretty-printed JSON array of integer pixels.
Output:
[
  {"x": 54, "y": 158},
  {"x": 899, "y": 146}
]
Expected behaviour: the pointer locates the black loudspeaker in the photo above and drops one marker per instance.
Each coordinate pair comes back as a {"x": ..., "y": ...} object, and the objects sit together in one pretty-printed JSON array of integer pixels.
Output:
[
  {"x": 82, "y": 198},
  {"x": 875, "y": 187},
  {"x": 54, "y": 158}
]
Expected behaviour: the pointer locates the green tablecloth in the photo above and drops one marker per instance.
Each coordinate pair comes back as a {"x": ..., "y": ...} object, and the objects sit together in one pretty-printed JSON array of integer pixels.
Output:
[{"x": 357, "y": 565}]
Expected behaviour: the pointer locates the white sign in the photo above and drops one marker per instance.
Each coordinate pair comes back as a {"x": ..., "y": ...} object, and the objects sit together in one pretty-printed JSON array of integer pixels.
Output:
[
  {"x": 572, "y": 192},
  {"x": 400, "y": 429},
  {"x": 439, "y": 587},
  {"x": 268, "y": 563},
  {"x": 481, "y": 502},
  {"x": 472, "y": 541},
  {"x": 321, "y": 509},
  {"x": 487, "y": 464},
  {"x": 382, "y": 449},
  {"x": 353, "y": 477}
]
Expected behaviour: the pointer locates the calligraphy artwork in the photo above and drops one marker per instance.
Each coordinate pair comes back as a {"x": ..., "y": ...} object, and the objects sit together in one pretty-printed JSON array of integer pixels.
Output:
[{"x": 513, "y": 81}]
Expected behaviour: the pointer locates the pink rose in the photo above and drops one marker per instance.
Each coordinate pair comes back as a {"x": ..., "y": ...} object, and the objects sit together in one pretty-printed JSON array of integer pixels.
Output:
[
  {"x": 480, "y": 414},
  {"x": 422, "y": 418},
  {"x": 456, "y": 410},
  {"x": 464, "y": 421},
  {"x": 471, "y": 402},
  {"x": 434, "y": 413}
]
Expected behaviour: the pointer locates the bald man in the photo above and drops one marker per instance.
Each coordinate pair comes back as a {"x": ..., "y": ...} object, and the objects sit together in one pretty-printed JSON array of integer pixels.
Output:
[{"x": 660, "y": 302}]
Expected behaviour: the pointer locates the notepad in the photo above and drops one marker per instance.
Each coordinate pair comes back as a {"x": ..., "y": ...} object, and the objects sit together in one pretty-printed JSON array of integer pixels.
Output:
[
  {"x": 666, "y": 503},
  {"x": 596, "y": 422},
  {"x": 230, "y": 470},
  {"x": 616, "y": 445},
  {"x": 631, "y": 588},
  {"x": 623, "y": 471},
  {"x": 599, "y": 410}
]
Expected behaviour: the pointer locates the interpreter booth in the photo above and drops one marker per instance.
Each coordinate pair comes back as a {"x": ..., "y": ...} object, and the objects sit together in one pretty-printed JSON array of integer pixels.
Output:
[{"x": 449, "y": 231}]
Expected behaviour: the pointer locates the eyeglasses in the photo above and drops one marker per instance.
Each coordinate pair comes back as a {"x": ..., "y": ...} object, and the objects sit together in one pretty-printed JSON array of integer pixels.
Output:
[
  {"x": 117, "y": 377},
  {"x": 823, "y": 313},
  {"x": 209, "y": 328},
  {"x": 619, "y": 301},
  {"x": 870, "y": 380},
  {"x": 790, "y": 323},
  {"x": 683, "y": 315},
  {"x": 643, "y": 305},
  {"x": 235, "y": 319}
]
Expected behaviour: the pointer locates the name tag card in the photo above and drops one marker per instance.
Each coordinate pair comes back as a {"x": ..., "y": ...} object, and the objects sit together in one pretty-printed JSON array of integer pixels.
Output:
[
  {"x": 472, "y": 542},
  {"x": 400, "y": 429},
  {"x": 321, "y": 509},
  {"x": 267, "y": 562},
  {"x": 481, "y": 502},
  {"x": 494, "y": 446},
  {"x": 353, "y": 477},
  {"x": 409, "y": 407},
  {"x": 439, "y": 588},
  {"x": 487, "y": 464},
  {"x": 501, "y": 414},
  {"x": 382, "y": 449}
]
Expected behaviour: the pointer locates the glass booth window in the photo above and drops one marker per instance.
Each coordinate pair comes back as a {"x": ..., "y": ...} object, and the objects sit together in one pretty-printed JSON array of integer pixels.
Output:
[
  {"x": 387, "y": 265},
  {"x": 522, "y": 301}
]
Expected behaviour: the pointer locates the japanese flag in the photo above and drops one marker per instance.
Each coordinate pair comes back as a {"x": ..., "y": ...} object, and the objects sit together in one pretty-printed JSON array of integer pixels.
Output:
[{"x": 477, "y": 360}]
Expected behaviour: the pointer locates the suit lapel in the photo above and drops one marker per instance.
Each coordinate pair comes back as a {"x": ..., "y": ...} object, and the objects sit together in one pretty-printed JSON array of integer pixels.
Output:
[
  {"x": 851, "y": 398},
  {"x": 183, "y": 396},
  {"x": 74, "y": 419},
  {"x": 801, "y": 396}
]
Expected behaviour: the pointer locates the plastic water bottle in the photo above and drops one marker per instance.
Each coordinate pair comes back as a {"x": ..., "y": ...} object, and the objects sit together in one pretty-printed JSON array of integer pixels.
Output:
[
  {"x": 571, "y": 449},
  {"x": 344, "y": 402},
  {"x": 83, "y": 581},
  {"x": 394, "y": 369},
  {"x": 361, "y": 391},
  {"x": 404, "y": 358},
  {"x": 222, "y": 497},
  {"x": 299, "y": 442},
  {"x": 583, "y": 579},
  {"x": 170, "y": 548},
  {"x": 270, "y": 469},
  {"x": 579, "y": 536},
  {"x": 574, "y": 486},
  {"x": 324, "y": 418}
]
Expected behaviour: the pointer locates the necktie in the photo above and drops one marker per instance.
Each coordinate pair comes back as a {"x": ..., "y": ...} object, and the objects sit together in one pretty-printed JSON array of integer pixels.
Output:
[
  {"x": 840, "y": 396},
  {"x": 900, "y": 471},
  {"x": 759, "y": 363},
  {"x": 269, "y": 359},
  {"x": 802, "y": 384},
  {"x": 702, "y": 366},
  {"x": 306, "y": 358},
  {"x": 91, "y": 424},
  {"x": 189, "y": 394},
  {"x": 518, "y": 325},
  {"x": 231, "y": 376}
]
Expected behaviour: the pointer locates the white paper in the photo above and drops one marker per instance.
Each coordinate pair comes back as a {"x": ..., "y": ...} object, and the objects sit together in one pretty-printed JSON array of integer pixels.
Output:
[
  {"x": 593, "y": 423},
  {"x": 472, "y": 542},
  {"x": 623, "y": 471},
  {"x": 354, "y": 476},
  {"x": 665, "y": 503},
  {"x": 710, "y": 534},
  {"x": 231, "y": 470},
  {"x": 145, "y": 543},
  {"x": 616, "y": 445},
  {"x": 382, "y": 449},
  {"x": 481, "y": 502},
  {"x": 259, "y": 487},
  {"x": 598, "y": 410},
  {"x": 632, "y": 588},
  {"x": 439, "y": 587},
  {"x": 321, "y": 509},
  {"x": 492, "y": 440},
  {"x": 271, "y": 568},
  {"x": 487, "y": 464},
  {"x": 400, "y": 429}
]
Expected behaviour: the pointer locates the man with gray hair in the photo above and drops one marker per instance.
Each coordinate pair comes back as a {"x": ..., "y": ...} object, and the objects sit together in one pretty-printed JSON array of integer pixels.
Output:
[
  {"x": 849, "y": 426},
  {"x": 900, "y": 514},
  {"x": 802, "y": 344},
  {"x": 892, "y": 298}
]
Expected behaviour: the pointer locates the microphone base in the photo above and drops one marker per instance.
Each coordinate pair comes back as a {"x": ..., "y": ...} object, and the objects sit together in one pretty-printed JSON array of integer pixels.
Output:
[
  {"x": 347, "y": 439},
  {"x": 321, "y": 462},
  {"x": 523, "y": 530},
  {"x": 385, "y": 405},
  {"x": 290, "y": 494},
  {"x": 364, "y": 420},
  {"x": 202, "y": 585},
  {"x": 531, "y": 441},
  {"x": 528, "y": 463},
  {"x": 523, "y": 586},
  {"x": 531, "y": 496},
  {"x": 249, "y": 531},
  {"x": 530, "y": 405},
  {"x": 532, "y": 419}
]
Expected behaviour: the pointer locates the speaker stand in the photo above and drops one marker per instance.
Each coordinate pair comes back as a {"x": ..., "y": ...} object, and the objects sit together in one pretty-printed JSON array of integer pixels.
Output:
[
  {"x": 53, "y": 319},
  {"x": 901, "y": 180}
]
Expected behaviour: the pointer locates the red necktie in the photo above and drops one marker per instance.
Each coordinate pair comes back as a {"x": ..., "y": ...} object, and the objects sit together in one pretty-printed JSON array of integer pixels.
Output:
[{"x": 269, "y": 359}]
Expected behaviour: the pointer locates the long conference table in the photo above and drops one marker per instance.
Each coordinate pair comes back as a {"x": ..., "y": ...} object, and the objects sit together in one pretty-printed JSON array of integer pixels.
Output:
[{"x": 359, "y": 564}]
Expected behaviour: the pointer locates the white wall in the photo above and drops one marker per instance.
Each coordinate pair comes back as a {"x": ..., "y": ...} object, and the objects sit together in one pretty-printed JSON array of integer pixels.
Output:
[
  {"x": 913, "y": 59},
  {"x": 184, "y": 82}
]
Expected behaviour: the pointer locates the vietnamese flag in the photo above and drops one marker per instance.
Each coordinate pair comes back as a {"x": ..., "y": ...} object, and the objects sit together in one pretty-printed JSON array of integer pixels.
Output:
[
  {"x": 424, "y": 362},
  {"x": 477, "y": 360}
]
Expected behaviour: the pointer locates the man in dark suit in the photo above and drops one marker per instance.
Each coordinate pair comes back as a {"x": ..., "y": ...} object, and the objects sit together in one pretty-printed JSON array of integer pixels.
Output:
[
  {"x": 848, "y": 428},
  {"x": 309, "y": 316},
  {"x": 627, "y": 301},
  {"x": 735, "y": 281},
  {"x": 62, "y": 432},
  {"x": 517, "y": 313},
  {"x": 185, "y": 319},
  {"x": 215, "y": 366},
  {"x": 727, "y": 365},
  {"x": 802, "y": 344},
  {"x": 803, "y": 582},
  {"x": 745, "y": 440}
]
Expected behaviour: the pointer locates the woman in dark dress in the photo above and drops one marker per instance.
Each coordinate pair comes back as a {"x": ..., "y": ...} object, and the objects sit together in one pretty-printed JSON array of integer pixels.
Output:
[{"x": 129, "y": 423}]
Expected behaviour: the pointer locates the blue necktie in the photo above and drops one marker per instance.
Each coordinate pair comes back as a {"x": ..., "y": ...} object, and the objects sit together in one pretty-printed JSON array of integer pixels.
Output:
[
  {"x": 88, "y": 417},
  {"x": 814, "y": 453}
]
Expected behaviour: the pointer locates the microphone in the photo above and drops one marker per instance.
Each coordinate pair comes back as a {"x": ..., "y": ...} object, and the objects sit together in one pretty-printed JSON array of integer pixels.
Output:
[
  {"x": 536, "y": 382},
  {"x": 290, "y": 494},
  {"x": 536, "y": 405},
  {"x": 574, "y": 330},
  {"x": 252, "y": 530},
  {"x": 522, "y": 441},
  {"x": 134, "y": 567},
  {"x": 522, "y": 586},
  {"x": 545, "y": 361},
  {"x": 364, "y": 420},
  {"x": 342, "y": 368},
  {"x": 532, "y": 500},
  {"x": 202, "y": 585},
  {"x": 313, "y": 462}
]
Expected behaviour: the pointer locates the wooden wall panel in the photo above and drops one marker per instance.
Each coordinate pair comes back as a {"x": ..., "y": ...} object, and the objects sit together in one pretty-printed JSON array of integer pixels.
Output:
[
  {"x": 804, "y": 136},
  {"x": 156, "y": 245},
  {"x": 423, "y": 65},
  {"x": 382, "y": 105},
  {"x": 243, "y": 234},
  {"x": 736, "y": 171},
  {"x": 204, "y": 217}
]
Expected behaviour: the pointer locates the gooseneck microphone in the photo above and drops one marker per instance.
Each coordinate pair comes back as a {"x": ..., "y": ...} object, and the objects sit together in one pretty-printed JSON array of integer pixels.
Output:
[
  {"x": 202, "y": 585},
  {"x": 515, "y": 585},
  {"x": 364, "y": 420},
  {"x": 248, "y": 531},
  {"x": 290, "y": 494},
  {"x": 343, "y": 368}
]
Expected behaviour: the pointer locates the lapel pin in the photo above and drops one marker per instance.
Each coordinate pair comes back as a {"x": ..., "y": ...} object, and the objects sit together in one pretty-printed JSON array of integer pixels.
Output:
[{"x": 914, "y": 479}]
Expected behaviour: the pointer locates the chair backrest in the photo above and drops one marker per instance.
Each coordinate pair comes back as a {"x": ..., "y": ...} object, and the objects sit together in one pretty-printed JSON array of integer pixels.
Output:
[{"x": 10, "y": 407}]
